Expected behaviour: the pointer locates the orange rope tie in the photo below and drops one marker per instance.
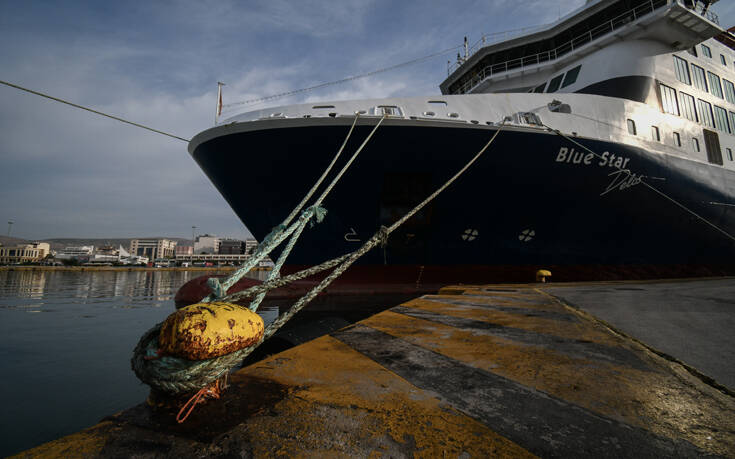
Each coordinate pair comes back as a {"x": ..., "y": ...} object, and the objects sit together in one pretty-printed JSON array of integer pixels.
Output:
[{"x": 212, "y": 390}]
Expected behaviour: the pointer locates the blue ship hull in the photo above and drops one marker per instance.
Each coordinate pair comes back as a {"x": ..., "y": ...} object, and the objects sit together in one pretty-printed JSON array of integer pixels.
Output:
[{"x": 533, "y": 200}]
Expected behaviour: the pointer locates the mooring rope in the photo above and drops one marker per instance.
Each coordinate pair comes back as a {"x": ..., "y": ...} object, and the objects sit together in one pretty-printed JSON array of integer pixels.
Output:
[
  {"x": 629, "y": 173},
  {"x": 219, "y": 288},
  {"x": 96, "y": 112},
  {"x": 176, "y": 375}
]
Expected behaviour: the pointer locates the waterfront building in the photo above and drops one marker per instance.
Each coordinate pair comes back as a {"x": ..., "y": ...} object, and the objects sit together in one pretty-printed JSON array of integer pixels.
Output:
[
  {"x": 82, "y": 252},
  {"x": 250, "y": 246},
  {"x": 206, "y": 243},
  {"x": 24, "y": 253},
  {"x": 153, "y": 248},
  {"x": 186, "y": 250},
  {"x": 232, "y": 246}
]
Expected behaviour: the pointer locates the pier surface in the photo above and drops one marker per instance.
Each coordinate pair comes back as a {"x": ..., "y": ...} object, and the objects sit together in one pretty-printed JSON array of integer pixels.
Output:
[{"x": 474, "y": 371}]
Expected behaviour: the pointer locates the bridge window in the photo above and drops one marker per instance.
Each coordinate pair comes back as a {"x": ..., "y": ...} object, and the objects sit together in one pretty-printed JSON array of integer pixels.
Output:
[
  {"x": 706, "y": 51},
  {"x": 705, "y": 113},
  {"x": 681, "y": 67},
  {"x": 668, "y": 100},
  {"x": 540, "y": 88},
  {"x": 571, "y": 76},
  {"x": 714, "y": 84},
  {"x": 631, "y": 127},
  {"x": 554, "y": 83},
  {"x": 698, "y": 77},
  {"x": 688, "y": 109},
  {"x": 721, "y": 120}
]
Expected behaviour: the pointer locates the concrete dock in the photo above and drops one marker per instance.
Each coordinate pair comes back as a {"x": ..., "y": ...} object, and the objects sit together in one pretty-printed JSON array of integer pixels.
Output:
[{"x": 474, "y": 371}]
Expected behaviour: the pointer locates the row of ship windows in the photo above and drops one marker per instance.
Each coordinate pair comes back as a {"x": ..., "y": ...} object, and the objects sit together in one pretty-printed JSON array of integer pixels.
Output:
[
  {"x": 708, "y": 53},
  {"x": 559, "y": 81},
  {"x": 709, "y": 84},
  {"x": 701, "y": 112},
  {"x": 656, "y": 136}
]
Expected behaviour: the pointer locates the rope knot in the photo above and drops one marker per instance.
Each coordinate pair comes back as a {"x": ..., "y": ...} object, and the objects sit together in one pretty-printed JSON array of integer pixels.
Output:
[
  {"x": 275, "y": 232},
  {"x": 218, "y": 290},
  {"x": 319, "y": 214},
  {"x": 383, "y": 236}
]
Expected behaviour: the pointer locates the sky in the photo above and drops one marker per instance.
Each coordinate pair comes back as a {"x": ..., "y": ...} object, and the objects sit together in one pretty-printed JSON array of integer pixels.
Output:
[{"x": 65, "y": 172}]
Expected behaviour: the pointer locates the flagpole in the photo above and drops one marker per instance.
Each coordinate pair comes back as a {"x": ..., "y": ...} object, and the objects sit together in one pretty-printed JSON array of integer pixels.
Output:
[{"x": 218, "y": 112}]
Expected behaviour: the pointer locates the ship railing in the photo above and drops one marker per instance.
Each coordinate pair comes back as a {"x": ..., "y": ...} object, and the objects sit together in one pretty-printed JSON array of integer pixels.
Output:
[{"x": 565, "y": 48}]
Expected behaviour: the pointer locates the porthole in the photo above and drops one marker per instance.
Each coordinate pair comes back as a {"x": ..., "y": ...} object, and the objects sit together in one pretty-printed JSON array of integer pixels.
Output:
[
  {"x": 453, "y": 115},
  {"x": 429, "y": 114}
]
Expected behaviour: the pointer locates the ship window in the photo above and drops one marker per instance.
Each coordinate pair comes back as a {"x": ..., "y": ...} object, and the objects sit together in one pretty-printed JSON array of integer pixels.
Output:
[
  {"x": 695, "y": 144},
  {"x": 693, "y": 51},
  {"x": 714, "y": 84},
  {"x": 698, "y": 77},
  {"x": 438, "y": 102},
  {"x": 540, "y": 88},
  {"x": 655, "y": 134},
  {"x": 554, "y": 83},
  {"x": 732, "y": 120},
  {"x": 571, "y": 76},
  {"x": 668, "y": 100},
  {"x": 453, "y": 115},
  {"x": 681, "y": 67},
  {"x": 721, "y": 121},
  {"x": 723, "y": 60},
  {"x": 706, "y": 51},
  {"x": 729, "y": 153},
  {"x": 631, "y": 127},
  {"x": 705, "y": 113},
  {"x": 322, "y": 106},
  {"x": 677, "y": 139},
  {"x": 429, "y": 113},
  {"x": 688, "y": 109},
  {"x": 729, "y": 91}
]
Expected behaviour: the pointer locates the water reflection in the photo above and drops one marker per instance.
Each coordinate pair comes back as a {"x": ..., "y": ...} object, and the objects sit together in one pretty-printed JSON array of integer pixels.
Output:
[{"x": 70, "y": 366}]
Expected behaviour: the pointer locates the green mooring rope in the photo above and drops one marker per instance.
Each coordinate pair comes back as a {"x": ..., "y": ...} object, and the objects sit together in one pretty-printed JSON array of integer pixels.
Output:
[{"x": 175, "y": 375}]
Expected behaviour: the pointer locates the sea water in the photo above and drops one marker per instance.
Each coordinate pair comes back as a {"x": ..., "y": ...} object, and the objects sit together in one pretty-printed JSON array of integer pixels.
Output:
[{"x": 66, "y": 339}]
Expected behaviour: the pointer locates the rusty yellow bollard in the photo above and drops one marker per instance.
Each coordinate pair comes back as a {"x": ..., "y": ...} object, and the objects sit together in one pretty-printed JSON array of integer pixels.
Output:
[
  {"x": 207, "y": 330},
  {"x": 542, "y": 274}
]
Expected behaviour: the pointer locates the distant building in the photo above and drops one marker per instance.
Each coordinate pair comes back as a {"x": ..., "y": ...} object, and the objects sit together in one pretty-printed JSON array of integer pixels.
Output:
[
  {"x": 206, "y": 243},
  {"x": 250, "y": 246},
  {"x": 184, "y": 250},
  {"x": 82, "y": 252},
  {"x": 153, "y": 248},
  {"x": 24, "y": 253},
  {"x": 231, "y": 247}
]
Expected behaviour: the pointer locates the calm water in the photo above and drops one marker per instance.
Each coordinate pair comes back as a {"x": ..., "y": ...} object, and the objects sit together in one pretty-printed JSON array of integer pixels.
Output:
[{"x": 66, "y": 339}]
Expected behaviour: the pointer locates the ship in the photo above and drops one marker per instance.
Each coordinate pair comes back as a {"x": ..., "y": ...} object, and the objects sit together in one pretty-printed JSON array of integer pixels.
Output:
[{"x": 614, "y": 157}]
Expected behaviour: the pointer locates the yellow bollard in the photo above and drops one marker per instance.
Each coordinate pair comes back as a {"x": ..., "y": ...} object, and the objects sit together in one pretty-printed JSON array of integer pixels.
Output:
[
  {"x": 542, "y": 274},
  {"x": 206, "y": 330}
]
